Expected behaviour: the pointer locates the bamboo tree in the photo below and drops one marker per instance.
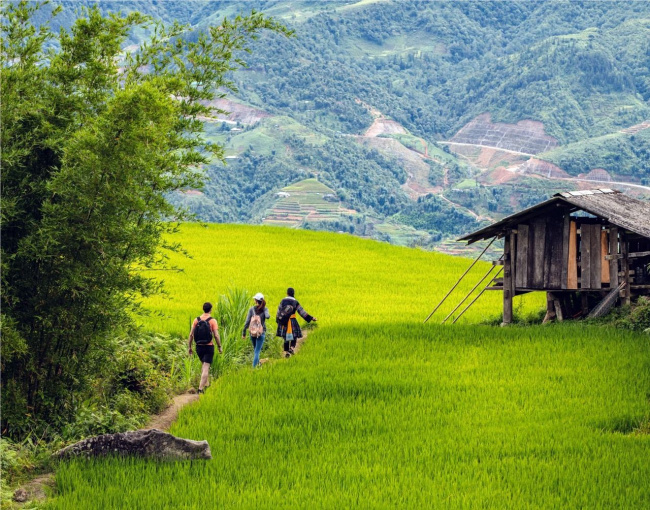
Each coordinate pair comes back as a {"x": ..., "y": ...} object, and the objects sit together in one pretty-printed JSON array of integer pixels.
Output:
[{"x": 93, "y": 142}]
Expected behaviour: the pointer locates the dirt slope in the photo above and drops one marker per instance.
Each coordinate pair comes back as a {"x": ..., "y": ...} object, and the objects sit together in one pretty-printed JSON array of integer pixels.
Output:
[{"x": 526, "y": 136}]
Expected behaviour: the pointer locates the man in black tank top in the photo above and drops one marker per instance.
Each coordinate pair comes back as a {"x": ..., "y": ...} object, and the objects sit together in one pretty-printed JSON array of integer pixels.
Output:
[{"x": 204, "y": 330}]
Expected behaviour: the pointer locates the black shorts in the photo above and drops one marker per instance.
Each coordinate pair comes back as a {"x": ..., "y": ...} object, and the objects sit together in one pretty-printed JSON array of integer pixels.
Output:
[{"x": 205, "y": 353}]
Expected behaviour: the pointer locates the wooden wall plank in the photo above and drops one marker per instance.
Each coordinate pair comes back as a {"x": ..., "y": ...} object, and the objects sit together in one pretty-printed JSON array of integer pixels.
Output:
[
  {"x": 539, "y": 246},
  {"x": 566, "y": 230},
  {"x": 507, "y": 281},
  {"x": 613, "y": 264},
  {"x": 531, "y": 255},
  {"x": 513, "y": 261},
  {"x": 604, "y": 264},
  {"x": 585, "y": 256},
  {"x": 521, "y": 269},
  {"x": 554, "y": 238},
  {"x": 625, "y": 266},
  {"x": 596, "y": 257},
  {"x": 548, "y": 244},
  {"x": 572, "y": 262}
]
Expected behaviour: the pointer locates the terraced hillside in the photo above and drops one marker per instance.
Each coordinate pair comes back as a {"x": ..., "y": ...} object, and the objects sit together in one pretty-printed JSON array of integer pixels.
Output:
[
  {"x": 526, "y": 136},
  {"x": 306, "y": 201},
  {"x": 414, "y": 163},
  {"x": 497, "y": 151}
]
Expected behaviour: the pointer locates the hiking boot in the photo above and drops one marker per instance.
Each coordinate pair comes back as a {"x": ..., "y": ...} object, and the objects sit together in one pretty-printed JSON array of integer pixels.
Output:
[
  {"x": 291, "y": 351},
  {"x": 201, "y": 392}
]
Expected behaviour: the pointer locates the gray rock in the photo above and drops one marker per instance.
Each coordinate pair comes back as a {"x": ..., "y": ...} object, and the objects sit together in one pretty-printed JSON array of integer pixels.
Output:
[
  {"x": 20, "y": 496},
  {"x": 151, "y": 443}
]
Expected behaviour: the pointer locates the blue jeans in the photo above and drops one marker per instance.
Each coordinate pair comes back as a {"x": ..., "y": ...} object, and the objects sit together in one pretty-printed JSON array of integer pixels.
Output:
[{"x": 257, "y": 345}]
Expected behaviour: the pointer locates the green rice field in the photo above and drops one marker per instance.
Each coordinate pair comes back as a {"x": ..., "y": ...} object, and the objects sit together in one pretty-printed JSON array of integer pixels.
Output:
[{"x": 379, "y": 410}]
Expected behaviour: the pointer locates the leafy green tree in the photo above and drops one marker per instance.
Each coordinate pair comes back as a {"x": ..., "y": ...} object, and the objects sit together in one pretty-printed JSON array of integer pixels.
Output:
[{"x": 94, "y": 139}]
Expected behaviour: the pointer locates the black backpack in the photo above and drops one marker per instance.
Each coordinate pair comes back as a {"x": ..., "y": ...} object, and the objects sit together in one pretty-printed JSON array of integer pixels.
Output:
[
  {"x": 202, "y": 331},
  {"x": 285, "y": 312}
]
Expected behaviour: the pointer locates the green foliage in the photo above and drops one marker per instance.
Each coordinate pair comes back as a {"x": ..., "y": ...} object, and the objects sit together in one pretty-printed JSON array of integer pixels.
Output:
[
  {"x": 11, "y": 461},
  {"x": 517, "y": 60},
  {"x": 250, "y": 178},
  {"x": 580, "y": 68},
  {"x": 93, "y": 418},
  {"x": 436, "y": 173},
  {"x": 22, "y": 460},
  {"x": 139, "y": 373},
  {"x": 432, "y": 67},
  {"x": 93, "y": 141},
  {"x": 230, "y": 312},
  {"x": 636, "y": 318},
  {"x": 433, "y": 213},
  {"x": 619, "y": 154},
  {"x": 363, "y": 178},
  {"x": 499, "y": 199}
]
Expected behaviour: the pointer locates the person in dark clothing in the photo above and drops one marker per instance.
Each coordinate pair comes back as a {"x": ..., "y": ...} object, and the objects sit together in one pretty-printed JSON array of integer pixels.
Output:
[
  {"x": 205, "y": 346},
  {"x": 289, "y": 329},
  {"x": 260, "y": 310}
]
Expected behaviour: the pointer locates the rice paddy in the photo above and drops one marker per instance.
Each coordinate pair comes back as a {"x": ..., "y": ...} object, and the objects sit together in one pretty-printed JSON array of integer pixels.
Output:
[
  {"x": 379, "y": 410},
  {"x": 307, "y": 200}
]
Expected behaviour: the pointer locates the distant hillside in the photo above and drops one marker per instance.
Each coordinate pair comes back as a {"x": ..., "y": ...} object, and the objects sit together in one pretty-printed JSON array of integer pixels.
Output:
[
  {"x": 433, "y": 66},
  {"x": 625, "y": 154},
  {"x": 425, "y": 115}
]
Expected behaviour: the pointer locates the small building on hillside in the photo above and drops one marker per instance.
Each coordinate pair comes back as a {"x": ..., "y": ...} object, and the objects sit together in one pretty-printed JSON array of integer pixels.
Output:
[{"x": 586, "y": 249}]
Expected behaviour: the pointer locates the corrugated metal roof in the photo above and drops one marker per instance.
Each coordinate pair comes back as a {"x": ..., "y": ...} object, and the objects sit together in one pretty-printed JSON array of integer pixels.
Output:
[{"x": 617, "y": 208}]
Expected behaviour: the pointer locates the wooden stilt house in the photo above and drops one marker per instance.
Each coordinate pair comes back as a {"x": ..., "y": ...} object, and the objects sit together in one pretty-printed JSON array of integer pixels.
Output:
[{"x": 584, "y": 248}]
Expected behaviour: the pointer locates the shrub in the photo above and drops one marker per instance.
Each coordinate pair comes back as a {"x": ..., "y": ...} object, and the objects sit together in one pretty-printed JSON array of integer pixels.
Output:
[
  {"x": 140, "y": 373},
  {"x": 636, "y": 317},
  {"x": 136, "y": 374},
  {"x": 93, "y": 419},
  {"x": 20, "y": 460}
]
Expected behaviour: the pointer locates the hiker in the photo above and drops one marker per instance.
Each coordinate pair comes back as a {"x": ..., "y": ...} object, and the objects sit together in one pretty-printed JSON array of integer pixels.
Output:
[
  {"x": 256, "y": 325},
  {"x": 288, "y": 327},
  {"x": 204, "y": 329}
]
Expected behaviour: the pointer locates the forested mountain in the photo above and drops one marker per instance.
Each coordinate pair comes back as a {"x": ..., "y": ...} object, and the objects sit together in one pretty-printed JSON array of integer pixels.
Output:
[
  {"x": 432, "y": 66},
  {"x": 367, "y": 94}
]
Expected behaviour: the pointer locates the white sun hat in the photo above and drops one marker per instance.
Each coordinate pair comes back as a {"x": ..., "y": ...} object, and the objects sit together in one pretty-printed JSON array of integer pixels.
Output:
[{"x": 259, "y": 296}]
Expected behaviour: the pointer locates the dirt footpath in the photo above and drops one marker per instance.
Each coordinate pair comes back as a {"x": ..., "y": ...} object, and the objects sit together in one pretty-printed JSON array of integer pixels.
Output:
[{"x": 164, "y": 420}]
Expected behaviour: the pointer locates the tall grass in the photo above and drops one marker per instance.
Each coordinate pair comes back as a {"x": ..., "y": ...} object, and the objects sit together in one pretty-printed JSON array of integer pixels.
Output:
[
  {"x": 381, "y": 411},
  {"x": 230, "y": 313}
]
